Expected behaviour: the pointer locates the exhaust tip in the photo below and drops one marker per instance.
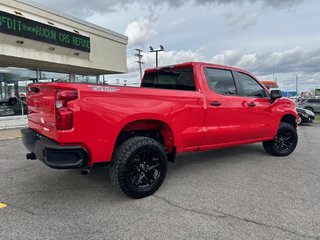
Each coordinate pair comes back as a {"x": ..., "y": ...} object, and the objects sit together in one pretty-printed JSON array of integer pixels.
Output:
[{"x": 85, "y": 171}]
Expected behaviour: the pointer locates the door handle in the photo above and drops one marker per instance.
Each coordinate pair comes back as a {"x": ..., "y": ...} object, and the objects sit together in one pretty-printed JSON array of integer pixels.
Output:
[
  {"x": 215, "y": 103},
  {"x": 252, "y": 104}
]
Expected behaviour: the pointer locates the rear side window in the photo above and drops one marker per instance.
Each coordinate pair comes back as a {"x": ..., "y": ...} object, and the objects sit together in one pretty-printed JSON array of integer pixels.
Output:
[
  {"x": 251, "y": 87},
  {"x": 314, "y": 100},
  {"x": 221, "y": 81},
  {"x": 178, "y": 79}
]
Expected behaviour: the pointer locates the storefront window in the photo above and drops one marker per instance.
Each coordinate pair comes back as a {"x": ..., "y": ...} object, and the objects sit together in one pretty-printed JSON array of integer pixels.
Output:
[
  {"x": 86, "y": 79},
  {"x": 13, "y": 82},
  {"x": 54, "y": 77}
]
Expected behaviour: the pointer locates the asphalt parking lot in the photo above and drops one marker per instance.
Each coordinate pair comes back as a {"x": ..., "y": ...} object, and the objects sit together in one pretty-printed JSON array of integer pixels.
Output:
[{"x": 236, "y": 193}]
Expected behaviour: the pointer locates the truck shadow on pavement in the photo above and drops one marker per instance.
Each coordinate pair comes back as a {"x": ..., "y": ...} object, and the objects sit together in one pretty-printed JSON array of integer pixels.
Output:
[
  {"x": 56, "y": 183},
  {"x": 203, "y": 161}
]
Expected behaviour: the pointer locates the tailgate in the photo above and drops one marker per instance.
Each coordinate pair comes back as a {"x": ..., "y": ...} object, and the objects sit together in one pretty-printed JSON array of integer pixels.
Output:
[{"x": 41, "y": 107}]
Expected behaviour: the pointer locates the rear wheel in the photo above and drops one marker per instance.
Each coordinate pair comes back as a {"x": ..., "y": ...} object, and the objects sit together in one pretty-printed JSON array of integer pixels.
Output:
[
  {"x": 284, "y": 142},
  {"x": 139, "y": 167}
]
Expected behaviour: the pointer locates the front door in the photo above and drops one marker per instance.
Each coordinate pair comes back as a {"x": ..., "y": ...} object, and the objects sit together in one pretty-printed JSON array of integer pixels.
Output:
[{"x": 258, "y": 108}]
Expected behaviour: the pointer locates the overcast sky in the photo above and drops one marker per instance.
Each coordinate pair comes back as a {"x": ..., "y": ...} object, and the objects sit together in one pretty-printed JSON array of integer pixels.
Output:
[{"x": 269, "y": 38}]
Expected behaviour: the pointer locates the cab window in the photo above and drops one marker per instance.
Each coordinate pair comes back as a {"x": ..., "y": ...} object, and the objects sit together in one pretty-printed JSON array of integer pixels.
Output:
[
  {"x": 221, "y": 81},
  {"x": 177, "y": 79},
  {"x": 250, "y": 87}
]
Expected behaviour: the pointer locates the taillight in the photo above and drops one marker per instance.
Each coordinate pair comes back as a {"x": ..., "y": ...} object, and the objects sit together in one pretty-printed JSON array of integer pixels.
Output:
[{"x": 64, "y": 115}]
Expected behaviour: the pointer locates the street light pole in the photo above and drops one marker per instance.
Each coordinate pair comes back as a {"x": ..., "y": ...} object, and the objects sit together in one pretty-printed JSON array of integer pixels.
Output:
[{"x": 161, "y": 49}]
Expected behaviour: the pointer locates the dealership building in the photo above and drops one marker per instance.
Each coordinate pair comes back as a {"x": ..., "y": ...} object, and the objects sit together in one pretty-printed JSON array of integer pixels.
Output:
[{"x": 38, "y": 44}]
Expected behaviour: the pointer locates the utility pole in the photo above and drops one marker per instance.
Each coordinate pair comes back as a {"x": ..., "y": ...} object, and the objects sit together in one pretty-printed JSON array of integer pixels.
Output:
[
  {"x": 161, "y": 49},
  {"x": 297, "y": 83},
  {"x": 274, "y": 70},
  {"x": 139, "y": 56}
]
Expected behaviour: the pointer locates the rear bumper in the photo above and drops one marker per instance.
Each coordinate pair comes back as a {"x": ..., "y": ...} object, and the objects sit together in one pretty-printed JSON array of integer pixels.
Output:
[{"x": 52, "y": 154}]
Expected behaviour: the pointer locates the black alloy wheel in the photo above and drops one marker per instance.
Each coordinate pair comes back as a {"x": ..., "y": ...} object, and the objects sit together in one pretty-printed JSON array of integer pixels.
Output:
[
  {"x": 145, "y": 168},
  {"x": 284, "y": 143},
  {"x": 139, "y": 167}
]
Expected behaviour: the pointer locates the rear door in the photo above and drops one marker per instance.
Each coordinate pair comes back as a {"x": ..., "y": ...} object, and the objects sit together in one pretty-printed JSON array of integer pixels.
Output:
[{"x": 315, "y": 104}]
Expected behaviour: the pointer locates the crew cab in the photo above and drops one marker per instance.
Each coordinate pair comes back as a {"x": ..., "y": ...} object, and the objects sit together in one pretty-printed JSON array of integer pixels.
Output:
[{"x": 186, "y": 107}]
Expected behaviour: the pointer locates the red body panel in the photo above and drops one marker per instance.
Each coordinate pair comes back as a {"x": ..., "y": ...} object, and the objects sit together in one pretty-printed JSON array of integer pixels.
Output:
[{"x": 101, "y": 112}]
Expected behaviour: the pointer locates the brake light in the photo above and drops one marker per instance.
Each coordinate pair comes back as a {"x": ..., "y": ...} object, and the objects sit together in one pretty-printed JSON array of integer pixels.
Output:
[{"x": 64, "y": 115}]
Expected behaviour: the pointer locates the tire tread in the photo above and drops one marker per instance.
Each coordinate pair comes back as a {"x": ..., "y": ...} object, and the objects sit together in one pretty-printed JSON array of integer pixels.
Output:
[
  {"x": 120, "y": 158},
  {"x": 269, "y": 145}
]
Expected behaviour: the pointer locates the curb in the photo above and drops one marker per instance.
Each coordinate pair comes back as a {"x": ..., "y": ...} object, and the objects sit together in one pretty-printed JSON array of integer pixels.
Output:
[{"x": 10, "y": 134}]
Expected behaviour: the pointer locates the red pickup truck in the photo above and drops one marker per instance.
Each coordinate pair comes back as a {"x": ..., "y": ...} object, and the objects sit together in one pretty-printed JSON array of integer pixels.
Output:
[{"x": 181, "y": 108}]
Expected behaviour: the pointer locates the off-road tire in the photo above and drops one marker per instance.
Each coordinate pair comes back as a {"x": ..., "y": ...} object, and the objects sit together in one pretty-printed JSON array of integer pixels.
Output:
[
  {"x": 132, "y": 161},
  {"x": 284, "y": 142}
]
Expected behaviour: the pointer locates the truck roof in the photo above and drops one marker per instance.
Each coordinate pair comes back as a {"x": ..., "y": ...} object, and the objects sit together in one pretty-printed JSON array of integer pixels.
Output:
[{"x": 188, "y": 64}]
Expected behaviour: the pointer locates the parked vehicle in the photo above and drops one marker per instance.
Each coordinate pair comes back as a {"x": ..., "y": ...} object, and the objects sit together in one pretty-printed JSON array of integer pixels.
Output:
[
  {"x": 305, "y": 116},
  {"x": 6, "y": 106},
  {"x": 6, "y": 110},
  {"x": 182, "y": 108},
  {"x": 312, "y": 104}
]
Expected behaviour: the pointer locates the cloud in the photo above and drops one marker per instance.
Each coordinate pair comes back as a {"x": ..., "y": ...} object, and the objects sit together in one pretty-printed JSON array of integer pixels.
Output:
[
  {"x": 289, "y": 61},
  {"x": 140, "y": 31},
  {"x": 166, "y": 58},
  {"x": 177, "y": 22},
  {"x": 267, "y": 3},
  {"x": 173, "y": 57},
  {"x": 287, "y": 64},
  {"x": 84, "y": 9},
  {"x": 227, "y": 57},
  {"x": 309, "y": 81},
  {"x": 241, "y": 21},
  {"x": 301, "y": 61},
  {"x": 283, "y": 65}
]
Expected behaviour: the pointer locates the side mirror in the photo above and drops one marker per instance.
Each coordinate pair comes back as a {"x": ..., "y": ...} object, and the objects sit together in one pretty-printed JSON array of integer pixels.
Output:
[{"x": 275, "y": 94}]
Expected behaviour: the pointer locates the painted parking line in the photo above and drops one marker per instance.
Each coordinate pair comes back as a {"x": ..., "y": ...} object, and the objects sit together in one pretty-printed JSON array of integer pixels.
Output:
[{"x": 2, "y": 205}]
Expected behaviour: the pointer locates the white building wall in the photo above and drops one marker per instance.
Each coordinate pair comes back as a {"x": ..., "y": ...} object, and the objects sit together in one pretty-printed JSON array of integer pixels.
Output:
[{"x": 108, "y": 49}]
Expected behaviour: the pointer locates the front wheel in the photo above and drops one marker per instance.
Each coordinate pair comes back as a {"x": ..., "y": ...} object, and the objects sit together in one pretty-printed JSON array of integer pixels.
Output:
[
  {"x": 284, "y": 142},
  {"x": 139, "y": 167}
]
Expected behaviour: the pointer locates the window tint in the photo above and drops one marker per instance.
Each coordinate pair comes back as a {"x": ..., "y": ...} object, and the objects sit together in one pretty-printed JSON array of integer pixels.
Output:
[
  {"x": 250, "y": 86},
  {"x": 221, "y": 81},
  {"x": 314, "y": 100},
  {"x": 179, "y": 79}
]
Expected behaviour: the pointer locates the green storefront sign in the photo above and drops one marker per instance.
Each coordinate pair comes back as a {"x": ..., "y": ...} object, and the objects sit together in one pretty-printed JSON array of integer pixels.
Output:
[{"x": 26, "y": 28}]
